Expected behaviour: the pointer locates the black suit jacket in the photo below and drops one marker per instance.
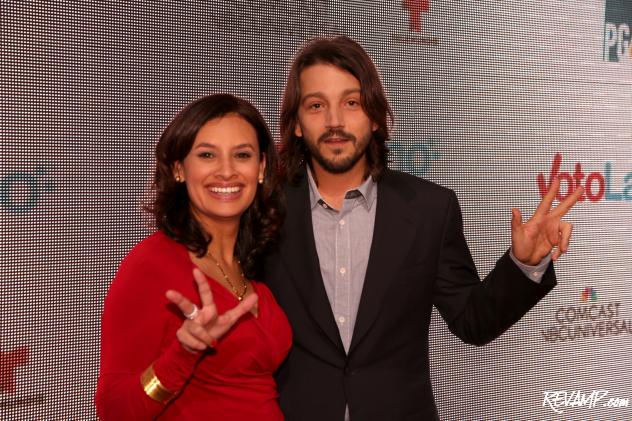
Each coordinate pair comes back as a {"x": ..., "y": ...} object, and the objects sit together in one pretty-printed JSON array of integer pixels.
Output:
[{"x": 418, "y": 258}]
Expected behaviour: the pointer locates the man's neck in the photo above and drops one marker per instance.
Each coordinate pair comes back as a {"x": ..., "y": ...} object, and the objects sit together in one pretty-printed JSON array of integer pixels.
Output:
[{"x": 332, "y": 187}]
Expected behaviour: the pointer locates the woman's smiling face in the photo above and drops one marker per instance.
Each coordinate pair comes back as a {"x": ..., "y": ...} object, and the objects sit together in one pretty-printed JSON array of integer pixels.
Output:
[{"x": 222, "y": 169}]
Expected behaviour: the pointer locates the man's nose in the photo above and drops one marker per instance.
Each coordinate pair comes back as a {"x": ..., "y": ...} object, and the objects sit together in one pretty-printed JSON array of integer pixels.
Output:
[{"x": 335, "y": 117}]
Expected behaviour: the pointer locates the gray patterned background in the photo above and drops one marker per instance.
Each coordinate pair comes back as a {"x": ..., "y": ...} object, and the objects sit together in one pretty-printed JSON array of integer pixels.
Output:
[{"x": 485, "y": 95}]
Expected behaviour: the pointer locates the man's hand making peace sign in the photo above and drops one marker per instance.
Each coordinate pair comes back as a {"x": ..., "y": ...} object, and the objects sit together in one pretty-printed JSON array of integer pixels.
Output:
[{"x": 545, "y": 232}]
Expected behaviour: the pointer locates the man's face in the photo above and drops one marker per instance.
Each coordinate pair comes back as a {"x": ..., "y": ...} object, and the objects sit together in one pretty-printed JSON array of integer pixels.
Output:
[{"x": 331, "y": 119}]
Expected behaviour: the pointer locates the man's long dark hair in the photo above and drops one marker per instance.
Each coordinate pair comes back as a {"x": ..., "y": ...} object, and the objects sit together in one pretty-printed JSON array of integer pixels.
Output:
[
  {"x": 347, "y": 55},
  {"x": 259, "y": 224}
]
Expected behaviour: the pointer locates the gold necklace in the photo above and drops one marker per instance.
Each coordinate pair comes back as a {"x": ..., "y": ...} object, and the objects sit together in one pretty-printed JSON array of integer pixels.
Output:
[{"x": 232, "y": 287}]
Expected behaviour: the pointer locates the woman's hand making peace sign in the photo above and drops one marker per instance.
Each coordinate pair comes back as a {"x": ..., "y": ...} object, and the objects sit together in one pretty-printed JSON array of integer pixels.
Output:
[{"x": 204, "y": 326}]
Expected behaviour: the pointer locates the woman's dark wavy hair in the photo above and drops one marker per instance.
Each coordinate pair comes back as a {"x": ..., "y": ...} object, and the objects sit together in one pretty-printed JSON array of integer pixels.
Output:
[
  {"x": 347, "y": 55},
  {"x": 260, "y": 223}
]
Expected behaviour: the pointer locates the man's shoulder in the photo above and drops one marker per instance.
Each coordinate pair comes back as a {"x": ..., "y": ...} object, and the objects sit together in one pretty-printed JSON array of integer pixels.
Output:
[{"x": 415, "y": 185}]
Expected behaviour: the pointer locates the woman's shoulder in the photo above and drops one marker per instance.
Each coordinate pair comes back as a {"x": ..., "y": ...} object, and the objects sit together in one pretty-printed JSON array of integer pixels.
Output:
[
  {"x": 155, "y": 256},
  {"x": 154, "y": 265},
  {"x": 156, "y": 248}
]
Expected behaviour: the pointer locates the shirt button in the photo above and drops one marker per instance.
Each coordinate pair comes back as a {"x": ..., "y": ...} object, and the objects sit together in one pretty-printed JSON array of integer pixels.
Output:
[
  {"x": 325, "y": 205},
  {"x": 343, "y": 271},
  {"x": 341, "y": 319},
  {"x": 536, "y": 273},
  {"x": 342, "y": 222}
]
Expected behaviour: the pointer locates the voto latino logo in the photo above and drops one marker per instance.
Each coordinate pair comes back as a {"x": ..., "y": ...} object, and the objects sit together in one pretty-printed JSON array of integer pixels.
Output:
[
  {"x": 413, "y": 157},
  {"x": 617, "y": 37},
  {"x": 21, "y": 191},
  {"x": 590, "y": 319},
  {"x": 598, "y": 185}
]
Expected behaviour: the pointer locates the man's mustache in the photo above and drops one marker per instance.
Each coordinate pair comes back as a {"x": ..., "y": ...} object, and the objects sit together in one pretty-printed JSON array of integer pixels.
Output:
[{"x": 337, "y": 133}]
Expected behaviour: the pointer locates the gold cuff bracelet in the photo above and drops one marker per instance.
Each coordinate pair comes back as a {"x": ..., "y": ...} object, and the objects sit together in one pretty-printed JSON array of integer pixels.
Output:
[{"x": 153, "y": 388}]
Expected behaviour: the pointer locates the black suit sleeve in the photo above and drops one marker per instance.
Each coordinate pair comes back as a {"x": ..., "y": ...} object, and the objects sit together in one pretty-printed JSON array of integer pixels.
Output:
[{"x": 478, "y": 312}]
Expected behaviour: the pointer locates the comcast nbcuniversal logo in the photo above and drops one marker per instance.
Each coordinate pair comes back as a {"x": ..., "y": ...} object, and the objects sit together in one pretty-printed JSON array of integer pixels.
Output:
[
  {"x": 591, "y": 318},
  {"x": 589, "y": 294}
]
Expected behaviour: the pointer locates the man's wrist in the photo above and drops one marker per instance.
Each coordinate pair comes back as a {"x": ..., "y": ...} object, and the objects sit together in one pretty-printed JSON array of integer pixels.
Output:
[{"x": 533, "y": 272}]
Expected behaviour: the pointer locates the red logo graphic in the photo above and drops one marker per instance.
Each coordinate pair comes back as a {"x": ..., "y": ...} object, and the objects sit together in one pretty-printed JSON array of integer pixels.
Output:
[
  {"x": 415, "y": 8},
  {"x": 598, "y": 185},
  {"x": 9, "y": 362},
  {"x": 595, "y": 184}
]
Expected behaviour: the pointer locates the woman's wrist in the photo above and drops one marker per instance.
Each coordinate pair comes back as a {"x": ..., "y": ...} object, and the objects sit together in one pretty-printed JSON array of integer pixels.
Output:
[{"x": 154, "y": 388}]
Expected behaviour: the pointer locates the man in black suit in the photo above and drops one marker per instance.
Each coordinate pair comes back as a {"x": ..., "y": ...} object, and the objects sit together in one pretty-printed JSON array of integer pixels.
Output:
[{"x": 366, "y": 252}]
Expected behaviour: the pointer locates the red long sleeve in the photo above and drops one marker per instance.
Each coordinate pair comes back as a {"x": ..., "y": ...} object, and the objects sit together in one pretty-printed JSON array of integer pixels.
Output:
[
  {"x": 138, "y": 329},
  {"x": 234, "y": 383}
]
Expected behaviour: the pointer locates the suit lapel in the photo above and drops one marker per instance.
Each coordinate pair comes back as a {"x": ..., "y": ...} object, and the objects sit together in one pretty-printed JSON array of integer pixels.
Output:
[
  {"x": 393, "y": 235},
  {"x": 301, "y": 259}
]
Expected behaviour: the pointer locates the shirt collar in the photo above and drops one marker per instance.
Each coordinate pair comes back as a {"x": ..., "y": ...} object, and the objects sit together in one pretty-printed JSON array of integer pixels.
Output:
[{"x": 367, "y": 190}]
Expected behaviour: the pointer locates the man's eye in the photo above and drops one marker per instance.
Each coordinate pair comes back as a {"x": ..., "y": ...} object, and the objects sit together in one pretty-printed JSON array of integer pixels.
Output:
[{"x": 315, "y": 106}]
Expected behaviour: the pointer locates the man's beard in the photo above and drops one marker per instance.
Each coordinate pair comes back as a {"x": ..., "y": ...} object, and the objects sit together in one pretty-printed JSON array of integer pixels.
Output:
[{"x": 339, "y": 166}]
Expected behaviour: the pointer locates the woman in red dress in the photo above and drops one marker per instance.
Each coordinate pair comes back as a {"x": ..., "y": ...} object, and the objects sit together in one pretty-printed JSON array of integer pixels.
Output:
[{"x": 216, "y": 208}]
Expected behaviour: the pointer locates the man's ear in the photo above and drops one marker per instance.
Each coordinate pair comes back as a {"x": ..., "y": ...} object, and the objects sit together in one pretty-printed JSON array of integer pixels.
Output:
[{"x": 298, "y": 132}]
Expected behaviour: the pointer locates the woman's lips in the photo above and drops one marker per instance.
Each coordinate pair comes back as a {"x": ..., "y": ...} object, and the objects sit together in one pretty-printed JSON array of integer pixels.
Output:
[{"x": 226, "y": 192}]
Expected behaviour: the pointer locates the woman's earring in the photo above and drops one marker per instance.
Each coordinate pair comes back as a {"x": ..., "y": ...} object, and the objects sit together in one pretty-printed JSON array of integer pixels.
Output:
[
  {"x": 260, "y": 180},
  {"x": 178, "y": 179}
]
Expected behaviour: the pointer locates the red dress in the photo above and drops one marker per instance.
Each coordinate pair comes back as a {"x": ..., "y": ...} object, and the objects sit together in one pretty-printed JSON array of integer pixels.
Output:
[{"x": 139, "y": 327}]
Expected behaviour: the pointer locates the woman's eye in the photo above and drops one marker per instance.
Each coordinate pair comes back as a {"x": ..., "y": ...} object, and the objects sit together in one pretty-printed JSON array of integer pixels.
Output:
[
  {"x": 243, "y": 155},
  {"x": 206, "y": 155}
]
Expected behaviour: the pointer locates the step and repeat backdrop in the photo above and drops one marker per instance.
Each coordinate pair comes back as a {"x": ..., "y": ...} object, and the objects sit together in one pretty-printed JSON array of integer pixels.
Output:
[{"x": 492, "y": 99}]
